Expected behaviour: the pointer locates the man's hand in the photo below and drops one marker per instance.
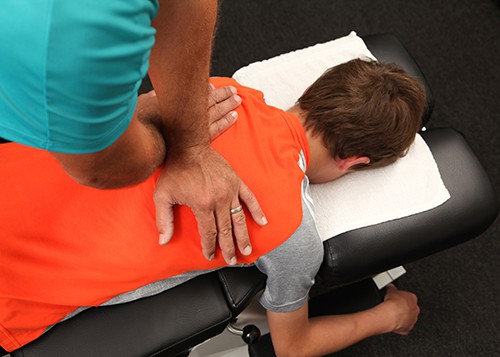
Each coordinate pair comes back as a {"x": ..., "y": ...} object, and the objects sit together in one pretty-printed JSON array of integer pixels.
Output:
[
  {"x": 402, "y": 308},
  {"x": 221, "y": 116},
  {"x": 208, "y": 185},
  {"x": 194, "y": 174},
  {"x": 221, "y": 104},
  {"x": 201, "y": 179}
]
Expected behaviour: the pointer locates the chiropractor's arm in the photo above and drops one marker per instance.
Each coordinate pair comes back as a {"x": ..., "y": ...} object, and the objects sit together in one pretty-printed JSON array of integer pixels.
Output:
[
  {"x": 194, "y": 174},
  {"x": 141, "y": 149}
]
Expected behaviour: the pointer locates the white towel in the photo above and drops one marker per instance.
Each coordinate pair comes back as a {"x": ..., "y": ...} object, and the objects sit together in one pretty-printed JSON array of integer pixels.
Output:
[
  {"x": 284, "y": 78},
  {"x": 363, "y": 198},
  {"x": 409, "y": 186}
]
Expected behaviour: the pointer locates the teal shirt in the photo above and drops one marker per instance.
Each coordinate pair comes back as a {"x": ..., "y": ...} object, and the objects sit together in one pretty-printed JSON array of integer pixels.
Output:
[{"x": 70, "y": 70}]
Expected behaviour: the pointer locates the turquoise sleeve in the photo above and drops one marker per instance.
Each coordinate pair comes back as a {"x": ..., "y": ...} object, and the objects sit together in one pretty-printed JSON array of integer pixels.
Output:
[{"x": 71, "y": 70}]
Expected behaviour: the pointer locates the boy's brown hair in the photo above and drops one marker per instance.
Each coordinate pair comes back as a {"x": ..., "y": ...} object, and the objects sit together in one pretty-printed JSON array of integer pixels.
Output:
[{"x": 365, "y": 108}]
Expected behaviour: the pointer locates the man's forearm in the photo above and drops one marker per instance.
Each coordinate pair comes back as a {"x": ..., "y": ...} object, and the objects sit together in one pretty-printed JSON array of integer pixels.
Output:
[
  {"x": 196, "y": 175},
  {"x": 179, "y": 69},
  {"x": 129, "y": 160}
]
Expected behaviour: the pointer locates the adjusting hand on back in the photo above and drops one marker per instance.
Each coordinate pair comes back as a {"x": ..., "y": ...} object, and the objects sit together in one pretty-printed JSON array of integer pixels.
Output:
[{"x": 201, "y": 179}]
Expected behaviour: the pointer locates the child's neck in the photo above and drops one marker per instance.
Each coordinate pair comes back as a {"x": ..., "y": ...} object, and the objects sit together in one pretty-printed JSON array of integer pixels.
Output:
[
  {"x": 299, "y": 113},
  {"x": 319, "y": 157}
]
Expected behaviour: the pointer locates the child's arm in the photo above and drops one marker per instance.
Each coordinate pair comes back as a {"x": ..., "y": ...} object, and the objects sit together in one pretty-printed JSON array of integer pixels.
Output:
[{"x": 294, "y": 334}]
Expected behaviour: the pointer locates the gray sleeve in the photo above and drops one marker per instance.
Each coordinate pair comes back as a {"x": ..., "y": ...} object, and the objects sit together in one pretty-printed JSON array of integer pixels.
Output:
[{"x": 291, "y": 267}]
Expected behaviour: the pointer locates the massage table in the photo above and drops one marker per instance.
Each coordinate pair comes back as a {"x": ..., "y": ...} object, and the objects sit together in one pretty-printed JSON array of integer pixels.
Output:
[{"x": 173, "y": 322}]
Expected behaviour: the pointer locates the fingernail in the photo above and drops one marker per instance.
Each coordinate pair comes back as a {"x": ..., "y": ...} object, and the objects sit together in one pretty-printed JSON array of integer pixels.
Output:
[
  {"x": 211, "y": 85},
  {"x": 233, "y": 261},
  {"x": 163, "y": 239},
  {"x": 211, "y": 257},
  {"x": 264, "y": 220},
  {"x": 233, "y": 89},
  {"x": 234, "y": 114},
  {"x": 237, "y": 98},
  {"x": 247, "y": 250}
]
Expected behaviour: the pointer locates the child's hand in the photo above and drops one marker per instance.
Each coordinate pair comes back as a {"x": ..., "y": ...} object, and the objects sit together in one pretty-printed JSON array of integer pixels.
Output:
[{"x": 402, "y": 307}]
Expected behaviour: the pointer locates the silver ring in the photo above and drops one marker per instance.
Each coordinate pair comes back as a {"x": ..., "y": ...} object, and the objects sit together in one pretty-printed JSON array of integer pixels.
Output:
[{"x": 236, "y": 210}]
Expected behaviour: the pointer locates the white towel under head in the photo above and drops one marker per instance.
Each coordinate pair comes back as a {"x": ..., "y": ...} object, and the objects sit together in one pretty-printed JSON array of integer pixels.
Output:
[
  {"x": 409, "y": 186},
  {"x": 284, "y": 78},
  {"x": 363, "y": 198}
]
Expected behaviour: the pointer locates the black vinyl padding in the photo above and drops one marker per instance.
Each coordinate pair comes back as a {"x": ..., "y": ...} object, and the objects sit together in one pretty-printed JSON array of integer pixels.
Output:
[
  {"x": 240, "y": 286},
  {"x": 164, "y": 324}
]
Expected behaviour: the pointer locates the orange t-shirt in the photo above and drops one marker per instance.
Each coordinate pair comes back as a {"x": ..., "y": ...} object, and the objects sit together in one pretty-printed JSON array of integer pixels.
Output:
[{"x": 63, "y": 245}]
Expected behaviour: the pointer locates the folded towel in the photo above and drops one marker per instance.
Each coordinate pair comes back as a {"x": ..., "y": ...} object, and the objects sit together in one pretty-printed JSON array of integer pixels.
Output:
[
  {"x": 284, "y": 78},
  {"x": 363, "y": 198},
  {"x": 409, "y": 186}
]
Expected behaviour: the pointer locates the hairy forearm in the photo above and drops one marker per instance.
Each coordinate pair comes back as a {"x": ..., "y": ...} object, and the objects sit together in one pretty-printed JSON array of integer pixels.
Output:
[
  {"x": 179, "y": 69},
  {"x": 128, "y": 161}
]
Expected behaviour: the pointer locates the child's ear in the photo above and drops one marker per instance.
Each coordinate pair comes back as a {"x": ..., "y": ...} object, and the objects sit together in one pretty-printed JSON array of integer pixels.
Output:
[{"x": 347, "y": 163}]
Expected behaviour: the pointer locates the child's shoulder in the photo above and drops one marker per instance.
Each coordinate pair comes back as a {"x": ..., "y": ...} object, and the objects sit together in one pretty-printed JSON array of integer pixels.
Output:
[{"x": 218, "y": 82}]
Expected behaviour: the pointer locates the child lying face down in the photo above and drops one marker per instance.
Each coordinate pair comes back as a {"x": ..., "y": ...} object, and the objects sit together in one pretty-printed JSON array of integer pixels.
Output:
[{"x": 66, "y": 247}]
